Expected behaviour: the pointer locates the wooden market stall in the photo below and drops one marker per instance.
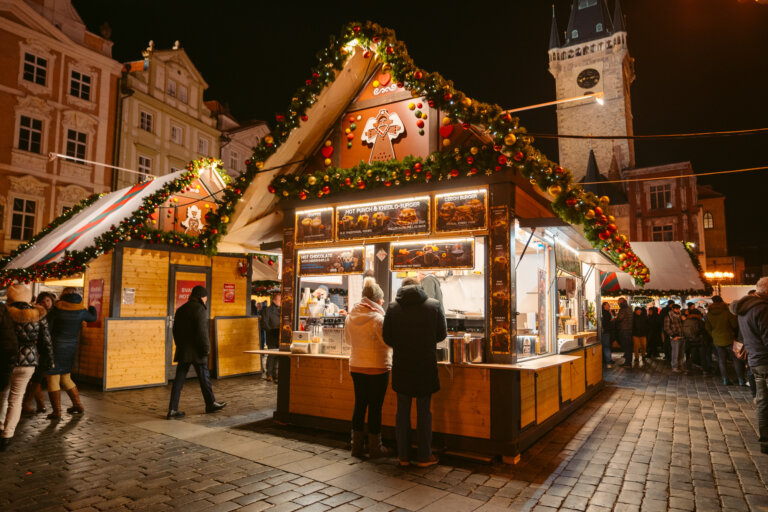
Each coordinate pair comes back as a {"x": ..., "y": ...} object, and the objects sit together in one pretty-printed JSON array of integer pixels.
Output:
[
  {"x": 397, "y": 177},
  {"x": 141, "y": 250}
]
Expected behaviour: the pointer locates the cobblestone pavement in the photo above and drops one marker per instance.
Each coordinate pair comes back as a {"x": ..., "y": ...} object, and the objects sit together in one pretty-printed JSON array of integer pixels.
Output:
[{"x": 649, "y": 441}]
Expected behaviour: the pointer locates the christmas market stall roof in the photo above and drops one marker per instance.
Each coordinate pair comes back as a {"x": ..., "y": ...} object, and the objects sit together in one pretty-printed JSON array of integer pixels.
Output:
[
  {"x": 675, "y": 270},
  {"x": 95, "y": 225},
  {"x": 249, "y": 216}
]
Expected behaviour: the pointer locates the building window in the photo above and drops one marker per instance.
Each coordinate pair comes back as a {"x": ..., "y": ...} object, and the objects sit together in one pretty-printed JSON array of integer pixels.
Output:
[
  {"x": 35, "y": 69},
  {"x": 663, "y": 233},
  {"x": 182, "y": 93},
  {"x": 202, "y": 146},
  {"x": 599, "y": 27},
  {"x": 30, "y": 134},
  {"x": 661, "y": 197},
  {"x": 23, "y": 220},
  {"x": 709, "y": 221},
  {"x": 76, "y": 143},
  {"x": 145, "y": 165},
  {"x": 234, "y": 158},
  {"x": 177, "y": 134},
  {"x": 583, "y": 4},
  {"x": 145, "y": 121},
  {"x": 80, "y": 86},
  {"x": 575, "y": 34},
  {"x": 171, "y": 88}
]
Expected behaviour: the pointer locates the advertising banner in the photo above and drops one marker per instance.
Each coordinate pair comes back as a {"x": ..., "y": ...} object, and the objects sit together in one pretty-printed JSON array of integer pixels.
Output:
[
  {"x": 321, "y": 262},
  {"x": 390, "y": 218},
  {"x": 433, "y": 254},
  {"x": 95, "y": 297},
  {"x": 461, "y": 211},
  {"x": 229, "y": 293},
  {"x": 184, "y": 290},
  {"x": 501, "y": 289},
  {"x": 314, "y": 226}
]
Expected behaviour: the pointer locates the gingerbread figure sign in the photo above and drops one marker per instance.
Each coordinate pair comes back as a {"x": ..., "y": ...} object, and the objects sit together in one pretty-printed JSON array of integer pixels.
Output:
[
  {"x": 193, "y": 224},
  {"x": 381, "y": 131}
]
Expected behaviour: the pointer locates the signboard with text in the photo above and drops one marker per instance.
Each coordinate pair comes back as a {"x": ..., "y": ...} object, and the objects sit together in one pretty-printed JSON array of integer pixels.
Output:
[
  {"x": 344, "y": 260},
  {"x": 461, "y": 211},
  {"x": 95, "y": 298},
  {"x": 390, "y": 218},
  {"x": 433, "y": 254},
  {"x": 314, "y": 226},
  {"x": 184, "y": 290},
  {"x": 229, "y": 293}
]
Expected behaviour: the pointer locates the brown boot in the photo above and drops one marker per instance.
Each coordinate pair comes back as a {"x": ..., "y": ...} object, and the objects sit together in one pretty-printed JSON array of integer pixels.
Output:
[
  {"x": 38, "y": 394},
  {"x": 77, "y": 407},
  {"x": 358, "y": 438},
  {"x": 376, "y": 449},
  {"x": 55, "y": 397}
]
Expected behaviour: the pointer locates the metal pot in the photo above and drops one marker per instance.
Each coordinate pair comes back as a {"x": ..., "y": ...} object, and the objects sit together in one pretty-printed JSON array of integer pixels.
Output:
[
  {"x": 474, "y": 349},
  {"x": 458, "y": 350}
]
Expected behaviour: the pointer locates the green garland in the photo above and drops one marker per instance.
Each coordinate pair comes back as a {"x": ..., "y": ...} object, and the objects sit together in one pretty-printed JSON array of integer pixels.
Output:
[
  {"x": 58, "y": 221},
  {"x": 265, "y": 287}
]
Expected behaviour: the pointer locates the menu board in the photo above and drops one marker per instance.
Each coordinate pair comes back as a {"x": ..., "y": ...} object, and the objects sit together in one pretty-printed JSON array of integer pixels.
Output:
[
  {"x": 461, "y": 211},
  {"x": 566, "y": 259},
  {"x": 501, "y": 290},
  {"x": 314, "y": 226},
  {"x": 433, "y": 254},
  {"x": 344, "y": 260},
  {"x": 390, "y": 218},
  {"x": 286, "y": 303}
]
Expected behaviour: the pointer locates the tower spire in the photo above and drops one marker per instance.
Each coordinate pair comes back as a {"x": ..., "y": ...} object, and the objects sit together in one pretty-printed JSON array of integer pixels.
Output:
[
  {"x": 618, "y": 18},
  {"x": 554, "y": 37},
  {"x": 589, "y": 20}
]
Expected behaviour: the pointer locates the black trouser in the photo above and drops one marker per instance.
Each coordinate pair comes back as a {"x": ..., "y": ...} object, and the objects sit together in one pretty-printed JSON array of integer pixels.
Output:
[
  {"x": 205, "y": 384},
  {"x": 273, "y": 343},
  {"x": 369, "y": 394}
]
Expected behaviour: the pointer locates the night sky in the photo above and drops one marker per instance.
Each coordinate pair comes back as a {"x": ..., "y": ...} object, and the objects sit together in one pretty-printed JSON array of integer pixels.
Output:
[{"x": 702, "y": 65}]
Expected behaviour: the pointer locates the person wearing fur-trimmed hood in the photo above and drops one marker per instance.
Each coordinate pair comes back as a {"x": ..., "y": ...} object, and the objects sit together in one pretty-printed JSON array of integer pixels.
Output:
[
  {"x": 66, "y": 321},
  {"x": 31, "y": 328}
]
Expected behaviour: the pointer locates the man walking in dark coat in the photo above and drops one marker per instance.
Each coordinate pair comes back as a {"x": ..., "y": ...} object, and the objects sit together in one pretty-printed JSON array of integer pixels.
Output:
[
  {"x": 752, "y": 312},
  {"x": 413, "y": 326},
  {"x": 623, "y": 323},
  {"x": 190, "y": 334}
]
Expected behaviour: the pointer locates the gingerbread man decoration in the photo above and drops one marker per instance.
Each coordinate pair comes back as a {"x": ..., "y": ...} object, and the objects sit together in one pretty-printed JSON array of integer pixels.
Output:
[{"x": 381, "y": 131}]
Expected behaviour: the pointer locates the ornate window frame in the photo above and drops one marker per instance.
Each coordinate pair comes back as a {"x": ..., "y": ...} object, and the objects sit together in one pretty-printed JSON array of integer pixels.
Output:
[
  {"x": 38, "y": 49},
  {"x": 91, "y": 72},
  {"x": 28, "y": 188}
]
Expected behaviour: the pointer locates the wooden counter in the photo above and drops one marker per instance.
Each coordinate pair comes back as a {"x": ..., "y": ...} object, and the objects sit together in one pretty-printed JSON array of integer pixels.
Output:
[{"x": 495, "y": 409}]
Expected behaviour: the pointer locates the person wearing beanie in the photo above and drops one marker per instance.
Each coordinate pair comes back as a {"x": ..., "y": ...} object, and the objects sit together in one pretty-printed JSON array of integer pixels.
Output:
[
  {"x": 370, "y": 360},
  {"x": 66, "y": 321},
  {"x": 34, "y": 348},
  {"x": 190, "y": 334}
]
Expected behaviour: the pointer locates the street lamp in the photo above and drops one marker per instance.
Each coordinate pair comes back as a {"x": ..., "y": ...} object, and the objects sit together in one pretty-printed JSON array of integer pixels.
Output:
[{"x": 717, "y": 277}]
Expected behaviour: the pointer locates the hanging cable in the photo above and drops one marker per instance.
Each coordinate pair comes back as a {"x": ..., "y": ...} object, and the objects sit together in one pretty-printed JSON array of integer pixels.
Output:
[
  {"x": 699, "y": 135},
  {"x": 713, "y": 173}
]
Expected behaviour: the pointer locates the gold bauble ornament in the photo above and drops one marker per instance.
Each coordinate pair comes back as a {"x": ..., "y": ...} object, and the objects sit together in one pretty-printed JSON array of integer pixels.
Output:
[
  {"x": 369, "y": 173},
  {"x": 285, "y": 193},
  {"x": 510, "y": 139},
  {"x": 605, "y": 200},
  {"x": 311, "y": 180},
  {"x": 473, "y": 150},
  {"x": 467, "y": 102},
  {"x": 327, "y": 162},
  {"x": 328, "y": 143},
  {"x": 446, "y": 121},
  {"x": 224, "y": 219},
  {"x": 590, "y": 214},
  {"x": 269, "y": 139},
  {"x": 326, "y": 178},
  {"x": 259, "y": 165},
  {"x": 446, "y": 142},
  {"x": 555, "y": 190}
]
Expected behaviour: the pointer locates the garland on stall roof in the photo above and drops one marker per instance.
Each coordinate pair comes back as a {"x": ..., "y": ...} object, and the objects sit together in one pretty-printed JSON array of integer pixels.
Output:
[
  {"x": 75, "y": 262},
  {"x": 58, "y": 221},
  {"x": 690, "y": 248},
  {"x": 265, "y": 287}
]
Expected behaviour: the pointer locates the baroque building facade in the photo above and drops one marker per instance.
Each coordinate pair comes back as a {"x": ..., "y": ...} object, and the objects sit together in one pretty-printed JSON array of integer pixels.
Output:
[{"x": 57, "y": 95}]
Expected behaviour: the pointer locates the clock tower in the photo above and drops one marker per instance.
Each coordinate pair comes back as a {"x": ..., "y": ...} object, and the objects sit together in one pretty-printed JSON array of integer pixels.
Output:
[{"x": 593, "y": 58}]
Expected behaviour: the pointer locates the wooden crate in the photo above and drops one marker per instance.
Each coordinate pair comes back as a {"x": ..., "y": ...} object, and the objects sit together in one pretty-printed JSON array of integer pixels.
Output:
[
  {"x": 90, "y": 358},
  {"x": 323, "y": 388},
  {"x": 594, "y": 365},
  {"x": 233, "y": 337},
  {"x": 547, "y": 393},
  {"x": 147, "y": 272},
  {"x": 527, "y": 398},
  {"x": 135, "y": 353}
]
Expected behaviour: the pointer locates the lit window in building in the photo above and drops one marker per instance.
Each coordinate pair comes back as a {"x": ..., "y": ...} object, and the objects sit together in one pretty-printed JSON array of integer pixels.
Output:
[
  {"x": 145, "y": 166},
  {"x": 663, "y": 233},
  {"x": 661, "y": 197},
  {"x": 709, "y": 222},
  {"x": 145, "y": 121},
  {"x": 35, "y": 69},
  {"x": 30, "y": 134}
]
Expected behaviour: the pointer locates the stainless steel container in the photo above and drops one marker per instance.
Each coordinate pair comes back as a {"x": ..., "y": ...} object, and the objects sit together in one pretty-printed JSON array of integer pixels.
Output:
[
  {"x": 474, "y": 349},
  {"x": 443, "y": 351},
  {"x": 458, "y": 350}
]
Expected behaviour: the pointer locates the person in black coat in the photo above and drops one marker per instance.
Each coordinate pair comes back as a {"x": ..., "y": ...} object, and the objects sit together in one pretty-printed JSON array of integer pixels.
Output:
[
  {"x": 271, "y": 321},
  {"x": 413, "y": 326},
  {"x": 190, "y": 334},
  {"x": 655, "y": 328},
  {"x": 639, "y": 335},
  {"x": 606, "y": 335}
]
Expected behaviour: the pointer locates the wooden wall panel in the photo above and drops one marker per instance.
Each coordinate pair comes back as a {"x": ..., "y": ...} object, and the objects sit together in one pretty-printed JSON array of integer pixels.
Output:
[
  {"x": 146, "y": 271},
  {"x": 233, "y": 337},
  {"x": 527, "y": 398},
  {"x": 135, "y": 352},
  {"x": 323, "y": 387},
  {"x": 594, "y": 365},
  {"x": 190, "y": 258},
  {"x": 566, "y": 391},
  {"x": 90, "y": 358},
  {"x": 225, "y": 271},
  {"x": 547, "y": 393},
  {"x": 578, "y": 374}
]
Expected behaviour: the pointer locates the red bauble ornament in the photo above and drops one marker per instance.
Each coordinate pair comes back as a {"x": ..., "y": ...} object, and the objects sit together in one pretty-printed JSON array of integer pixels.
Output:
[
  {"x": 356, "y": 29},
  {"x": 598, "y": 211},
  {"x": 361, "y": 185},
  {"x": 418, "y": 105},
  {"x": 248, "y": 162},
  {"x": 431, "y": 103},
  {"x": 367, "y": 54},
  {"x": 519, "y": 156},
  {"x": 326, "y": 189},
  {"x": 428, "y": 175},
  {"x": 604, "y": 235},
  {"x": 420, "y": 123},
  {"x": 304, "y": 117},
  {"x": 303, "y": 195},
  {"x": 387, "y": 183},
  {"x": 465, "y": 125},
  {"x": 470, "y": 160},
  {"x": 559, "y": 170},
  {"x": 612, "y": 228},
  {"x": 390, "y": 50},
  {"x": 376, "y": 39},
  {"x": 571, "y": 201},
  {"x": 448, "y": 96},
  {"x": 280, "y": 118},
  {"x": 454, "y": 173},
  {"x": 271, "y": 189},
  {"x": 347, "y": 181},
  {"x": 319, "y": 193},
  {"x": 418, "y": 75},
  {"x": 473, "y": 171},
  {"x": 407, "y": 172},
  {"x": 502, "y": 160},
  {"x": 417, "y": 166}
]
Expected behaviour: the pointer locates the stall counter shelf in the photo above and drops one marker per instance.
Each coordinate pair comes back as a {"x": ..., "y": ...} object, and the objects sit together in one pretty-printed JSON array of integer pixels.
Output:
[{"x": 493, "y": 409}]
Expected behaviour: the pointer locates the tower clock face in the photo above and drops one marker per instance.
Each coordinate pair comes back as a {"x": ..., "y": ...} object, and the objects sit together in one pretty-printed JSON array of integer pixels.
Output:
[{"x": 588, "y": 78}]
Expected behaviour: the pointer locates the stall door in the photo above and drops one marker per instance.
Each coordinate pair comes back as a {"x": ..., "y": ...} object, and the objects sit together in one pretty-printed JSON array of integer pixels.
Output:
[{"x": 182, "y": 279}]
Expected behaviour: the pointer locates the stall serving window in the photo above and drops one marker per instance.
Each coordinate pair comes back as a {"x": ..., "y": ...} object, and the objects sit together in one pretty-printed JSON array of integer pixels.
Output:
[{"x": 535, "y": 293}]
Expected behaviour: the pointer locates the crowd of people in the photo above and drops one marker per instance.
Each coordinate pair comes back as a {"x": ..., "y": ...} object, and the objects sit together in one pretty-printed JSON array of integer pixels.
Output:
[{"x": 39, "y": 343}]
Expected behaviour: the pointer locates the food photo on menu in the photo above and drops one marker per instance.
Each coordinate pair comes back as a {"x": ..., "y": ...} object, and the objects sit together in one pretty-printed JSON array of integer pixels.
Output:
[
  {"x": 382, "y": 219},
  {"x": 461, "y": 211},
  {"x": 314, "y": 225},
  {"x": 456, "y": 254}
]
